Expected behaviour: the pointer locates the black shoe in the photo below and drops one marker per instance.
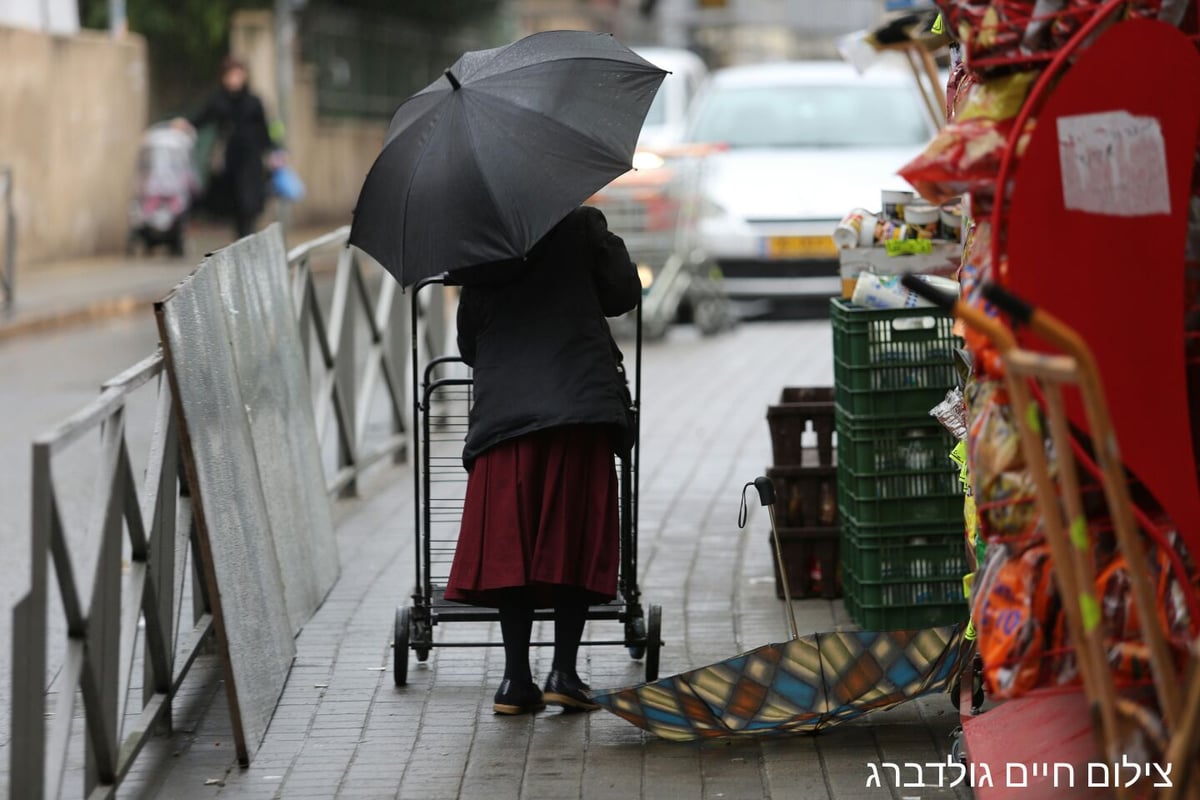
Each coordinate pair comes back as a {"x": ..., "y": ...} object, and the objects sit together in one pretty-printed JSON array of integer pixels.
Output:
[
  {"x": 568, "y": 691},
  {"x": 513, "y": 699}
]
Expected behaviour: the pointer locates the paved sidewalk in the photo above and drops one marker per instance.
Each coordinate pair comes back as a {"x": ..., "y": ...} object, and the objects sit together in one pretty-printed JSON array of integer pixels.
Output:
[
  {"x": 55, "y": 294},
  {"x": 343, "y": 730}
]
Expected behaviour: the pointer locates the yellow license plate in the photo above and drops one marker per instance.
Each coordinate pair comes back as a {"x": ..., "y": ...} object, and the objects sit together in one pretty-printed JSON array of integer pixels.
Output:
[{"x": 800, "y": 247}]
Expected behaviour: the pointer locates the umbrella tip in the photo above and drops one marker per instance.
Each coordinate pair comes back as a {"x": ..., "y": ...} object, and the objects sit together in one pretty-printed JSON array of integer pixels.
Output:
[{"x": 453, "y": 80}]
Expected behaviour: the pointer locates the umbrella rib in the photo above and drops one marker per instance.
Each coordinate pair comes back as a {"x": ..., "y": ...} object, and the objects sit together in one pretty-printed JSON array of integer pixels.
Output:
[
  {"x": 582, "y": 135},
  {"x": 437, "y": 118},
  {"x": 643, "y": 68},
  {"x": 487, "y": 184},
  {"x": 481, "y": 83}
]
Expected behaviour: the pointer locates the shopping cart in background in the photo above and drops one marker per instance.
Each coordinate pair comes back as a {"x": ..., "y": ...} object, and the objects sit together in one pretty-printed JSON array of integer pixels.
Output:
[{"x": 442, "y": 389}]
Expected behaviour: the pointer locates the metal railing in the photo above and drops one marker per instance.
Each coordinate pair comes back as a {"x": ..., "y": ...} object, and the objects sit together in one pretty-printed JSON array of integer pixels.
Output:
[
  {"x": 150, "y": 524},
  {"x": 8, "y": 258},
  {"x": 133, "y": 614},
  {"x": 345, "y": 385}
]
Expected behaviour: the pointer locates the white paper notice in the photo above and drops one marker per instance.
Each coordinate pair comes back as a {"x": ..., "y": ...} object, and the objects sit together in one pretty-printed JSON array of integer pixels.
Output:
[{"x": 1113, "y": 163}]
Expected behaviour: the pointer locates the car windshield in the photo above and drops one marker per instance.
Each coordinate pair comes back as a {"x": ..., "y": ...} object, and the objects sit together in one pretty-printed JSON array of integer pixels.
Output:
[
  {"x": 657, "y": 114},
  {"x": 848, "y": 115}
]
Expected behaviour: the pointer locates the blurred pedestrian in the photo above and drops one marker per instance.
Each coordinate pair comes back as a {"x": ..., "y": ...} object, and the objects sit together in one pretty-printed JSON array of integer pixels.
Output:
[
  {"x": 237, "y": 185},
  {"x": 540, "y": 518}
]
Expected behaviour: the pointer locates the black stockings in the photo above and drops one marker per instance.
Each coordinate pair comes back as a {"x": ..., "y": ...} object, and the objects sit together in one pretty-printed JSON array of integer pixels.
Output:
[
  {"x": 568, "y": 630},
  {"x": 516, "y": 626}
]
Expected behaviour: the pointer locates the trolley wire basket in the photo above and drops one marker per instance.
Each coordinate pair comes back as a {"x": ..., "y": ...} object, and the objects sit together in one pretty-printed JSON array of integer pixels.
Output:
[{"x": 442, "y": 400}]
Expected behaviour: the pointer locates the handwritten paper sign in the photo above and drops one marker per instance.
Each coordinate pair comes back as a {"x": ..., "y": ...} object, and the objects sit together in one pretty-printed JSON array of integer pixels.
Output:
[{"x": 1113, "y": 163}]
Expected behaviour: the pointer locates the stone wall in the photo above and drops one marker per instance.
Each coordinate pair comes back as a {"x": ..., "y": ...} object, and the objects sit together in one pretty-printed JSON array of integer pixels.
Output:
[{"x": 74, "y": 108}]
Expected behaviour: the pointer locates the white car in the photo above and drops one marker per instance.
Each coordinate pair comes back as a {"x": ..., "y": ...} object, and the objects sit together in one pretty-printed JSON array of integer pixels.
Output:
[
  {"x": 798, "y": 145},
  {"x": 667, "y": 118}
]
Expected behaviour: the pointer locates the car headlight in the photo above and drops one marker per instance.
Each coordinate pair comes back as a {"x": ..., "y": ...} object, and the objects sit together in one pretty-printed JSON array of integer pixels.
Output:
[
  {"x": 646, "y": 160},
  {"x": 645, "y": 275}
]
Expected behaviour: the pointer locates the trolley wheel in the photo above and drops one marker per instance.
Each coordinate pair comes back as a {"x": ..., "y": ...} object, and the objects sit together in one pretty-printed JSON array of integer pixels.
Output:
[
  {"x": 635, "y": 633},
  {"x": 655, "y": 329},
  {"x": 653, "y": 642},
  {"x": 958, "y": 749},
  {"x": 422, "y": 639},
  {"x": 710, "y": 316},
  {"x": 400, "y": 646}
]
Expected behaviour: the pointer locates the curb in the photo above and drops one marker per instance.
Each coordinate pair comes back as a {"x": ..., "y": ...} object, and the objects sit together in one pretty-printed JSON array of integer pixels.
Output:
[
  {"x": 108, "y": 308},
  {"x": 65, "y": 318}
]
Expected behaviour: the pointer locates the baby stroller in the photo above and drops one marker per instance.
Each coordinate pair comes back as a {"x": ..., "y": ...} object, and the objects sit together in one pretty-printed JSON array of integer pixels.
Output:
[{"x": 164, "y": 186}]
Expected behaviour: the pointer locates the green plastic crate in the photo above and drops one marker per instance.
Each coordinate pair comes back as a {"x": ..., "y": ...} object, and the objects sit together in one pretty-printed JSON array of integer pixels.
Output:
[
  {"x": 904, "y": 444},
  {"x": 890, "y": 363},
  {"x": 926, "y": 509},
  {"x": 906, "y": 554},
  {"x": 897, "y": 472},
  {"x": 903, "y": 606}
]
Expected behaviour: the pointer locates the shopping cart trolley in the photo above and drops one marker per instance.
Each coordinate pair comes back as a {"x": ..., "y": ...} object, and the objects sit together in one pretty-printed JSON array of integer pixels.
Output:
[{"x": 442, "y": 397}]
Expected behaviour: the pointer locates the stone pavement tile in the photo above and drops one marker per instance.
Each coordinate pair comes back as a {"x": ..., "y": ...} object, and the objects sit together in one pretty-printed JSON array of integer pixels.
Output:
[
  {"x": 678, "y": 774},
  {"x": 500, "y": 789},
  {"x": 349, "y": 792},
  {"x": 732, "y": 770},
  {"x": 845, "y": 759},
  {"x": 612, "y": 770},
  {"x": 793, "y": 769}
]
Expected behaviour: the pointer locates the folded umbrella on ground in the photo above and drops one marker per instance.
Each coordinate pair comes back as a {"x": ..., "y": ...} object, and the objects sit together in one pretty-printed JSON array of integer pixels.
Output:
[
  {"x": 799, "y": 686},
  {"x": 480, "y": 164}
]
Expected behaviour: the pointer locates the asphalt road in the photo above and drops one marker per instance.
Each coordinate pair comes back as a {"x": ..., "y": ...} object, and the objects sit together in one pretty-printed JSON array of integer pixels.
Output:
[{"x": 46, "y": 378}]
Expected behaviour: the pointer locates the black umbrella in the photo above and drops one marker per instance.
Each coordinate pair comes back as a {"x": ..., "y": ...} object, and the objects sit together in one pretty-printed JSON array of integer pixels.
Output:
[{"x": 481, "y": 163}]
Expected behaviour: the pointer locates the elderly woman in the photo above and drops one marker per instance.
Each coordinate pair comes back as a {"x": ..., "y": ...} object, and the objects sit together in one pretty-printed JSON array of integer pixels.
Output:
[{"x": 540, "y": 520}]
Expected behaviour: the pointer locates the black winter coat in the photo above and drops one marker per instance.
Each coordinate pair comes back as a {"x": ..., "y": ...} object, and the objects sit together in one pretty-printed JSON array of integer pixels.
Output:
[
  {"x": 240, "y": 188},
  {"x": 535, "y": 332}
]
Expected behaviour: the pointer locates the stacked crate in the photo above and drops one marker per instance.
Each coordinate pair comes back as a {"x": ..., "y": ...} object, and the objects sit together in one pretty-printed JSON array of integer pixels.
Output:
[
  {"x": 899, "y": 501},
  {"x": 805, "y": 478}
]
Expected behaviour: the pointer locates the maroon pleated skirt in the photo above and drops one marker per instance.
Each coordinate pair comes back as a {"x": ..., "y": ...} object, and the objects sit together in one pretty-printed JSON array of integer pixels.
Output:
[{"x": 540, "y": 522}]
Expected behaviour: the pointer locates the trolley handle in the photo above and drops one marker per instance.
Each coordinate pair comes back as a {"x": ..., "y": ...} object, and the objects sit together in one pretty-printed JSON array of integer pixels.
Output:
[
  {"x": 1020, "y": 310},
  {"x": 942, "y": 299}
]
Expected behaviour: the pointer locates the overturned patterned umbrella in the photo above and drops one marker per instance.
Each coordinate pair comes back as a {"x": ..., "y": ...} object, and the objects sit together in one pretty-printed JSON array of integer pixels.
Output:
[{"x": 802, "y": 685}]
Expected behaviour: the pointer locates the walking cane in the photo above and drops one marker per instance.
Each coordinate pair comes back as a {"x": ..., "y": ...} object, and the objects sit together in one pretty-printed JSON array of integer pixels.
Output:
[{"x": 766, "y": 496}]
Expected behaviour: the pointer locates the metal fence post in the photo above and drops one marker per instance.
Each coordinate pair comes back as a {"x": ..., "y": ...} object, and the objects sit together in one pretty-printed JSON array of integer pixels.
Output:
[
  {"x": 397, "y": 347},
  {"x": 347, "y": 377},
  {"x": 27, "y": 748},
  {"x": 9, "y": 276},
  {"x": 103, "y": 635},
  {"x": 162, "y": 557}
]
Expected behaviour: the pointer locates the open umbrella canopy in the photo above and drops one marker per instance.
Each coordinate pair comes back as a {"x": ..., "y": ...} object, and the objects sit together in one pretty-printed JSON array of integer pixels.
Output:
[
  {"x": 799, "y": 686},
  {"x": 481, "y": 163}
]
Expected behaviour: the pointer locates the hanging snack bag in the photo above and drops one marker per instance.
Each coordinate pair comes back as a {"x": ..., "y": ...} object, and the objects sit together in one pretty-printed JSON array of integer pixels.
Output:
[
  {"x": 1014, "y": 606},
  {"x": 966, "y": 154}
]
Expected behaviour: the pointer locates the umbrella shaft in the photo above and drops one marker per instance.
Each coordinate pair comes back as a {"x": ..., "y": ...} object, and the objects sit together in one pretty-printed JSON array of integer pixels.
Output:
[{"x": 783, "y": 574}]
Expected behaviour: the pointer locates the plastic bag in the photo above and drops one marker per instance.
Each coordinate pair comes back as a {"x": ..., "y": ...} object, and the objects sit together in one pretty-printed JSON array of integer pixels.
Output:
[
  {"x": 287, "y": 184},
  {"x": 952, "y": 413}
]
